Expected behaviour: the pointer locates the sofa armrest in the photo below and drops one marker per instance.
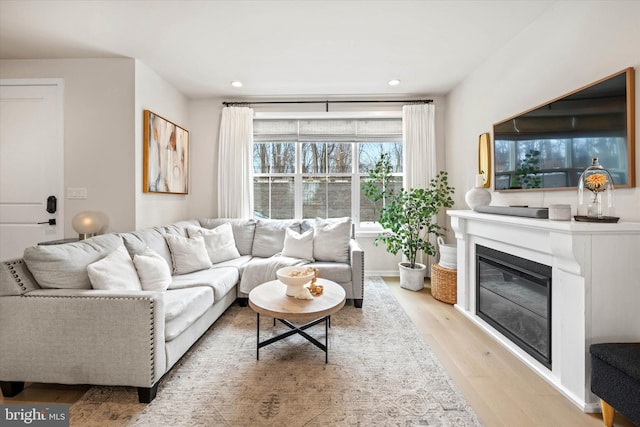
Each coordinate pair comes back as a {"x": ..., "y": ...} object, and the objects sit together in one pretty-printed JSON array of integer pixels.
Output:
[
  {"x": 356, "y": 257},
  {"x": 82, "y": 336}
]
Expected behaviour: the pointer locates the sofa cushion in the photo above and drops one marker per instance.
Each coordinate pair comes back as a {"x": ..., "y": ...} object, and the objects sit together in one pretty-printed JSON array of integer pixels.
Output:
[
  {"x": 180, "y": 228},
  {"x": 138, "y": 241},
  {"x": 237, "y": 263},
  {"x": 298, "y": 245},
  {"x": 335, "y": 271},
  {"x": 220, "y": 243},
  {"x": 183, "y": 307},
  {"x": 153, "y": 270},
  {"x": 15, "y": 278},
  {"x": 243, "y": 231},
  {"x": 65, "y": 266},
  {"x": 188, "y": 254},
  {"x": 220, "y": 279},
  {"x": 331, "y": 239},
  {"x": 269, "y": 236},
  {"x": 115, "y": 272}
]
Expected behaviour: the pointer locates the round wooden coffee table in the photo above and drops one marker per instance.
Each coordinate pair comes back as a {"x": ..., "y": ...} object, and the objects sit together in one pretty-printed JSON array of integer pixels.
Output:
[{"x": 270, "y": 299}]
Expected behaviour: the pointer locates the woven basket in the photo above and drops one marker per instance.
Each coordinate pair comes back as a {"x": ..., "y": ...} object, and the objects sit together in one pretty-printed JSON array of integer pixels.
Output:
[{"x": 444, "y": 284}]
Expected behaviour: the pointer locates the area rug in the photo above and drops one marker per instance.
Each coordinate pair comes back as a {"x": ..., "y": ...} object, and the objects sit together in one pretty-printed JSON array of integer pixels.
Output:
[{"x": 380, "y": 373}]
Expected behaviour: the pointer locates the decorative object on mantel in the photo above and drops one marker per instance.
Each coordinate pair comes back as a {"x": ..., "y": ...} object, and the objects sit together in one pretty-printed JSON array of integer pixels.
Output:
[
  {"x": 448, "y": 254},
  {"x": 484, "y": 159},
  {"x": 560, "y": 212},
  {"x": 478, "y": 195},
  {"x": 408, "y": 218},
  {"x": 599, "y": 203},
  {"x": 523, "y": 211}
]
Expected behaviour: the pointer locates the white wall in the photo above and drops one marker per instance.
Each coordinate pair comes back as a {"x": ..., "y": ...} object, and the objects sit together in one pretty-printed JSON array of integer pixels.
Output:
[
  {"x": 570, "y": 46},
  {"x": 98, "y": 132},
  {"x": 204, "y": 116},
  {"x": 153, "y": 93}
]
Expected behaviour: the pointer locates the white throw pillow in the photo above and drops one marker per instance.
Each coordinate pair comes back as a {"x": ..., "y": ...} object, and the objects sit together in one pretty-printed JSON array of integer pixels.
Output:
[
  {"x": 331, "y": 239},
  {"x": 115, "y": 272},
  {"x": 298, "y": 245},
  {"x": 220, "y": 243},
  {"x": 188, "y": 255},
  {"x": 153, "y": 270}
]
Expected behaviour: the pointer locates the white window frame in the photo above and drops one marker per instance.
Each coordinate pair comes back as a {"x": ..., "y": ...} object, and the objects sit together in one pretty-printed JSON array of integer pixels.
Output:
[{"x": 362, "y": 229}]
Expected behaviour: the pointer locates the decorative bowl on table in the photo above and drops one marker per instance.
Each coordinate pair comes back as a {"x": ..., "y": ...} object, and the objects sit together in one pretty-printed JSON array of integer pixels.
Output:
[{"x": 295, "y": 278}]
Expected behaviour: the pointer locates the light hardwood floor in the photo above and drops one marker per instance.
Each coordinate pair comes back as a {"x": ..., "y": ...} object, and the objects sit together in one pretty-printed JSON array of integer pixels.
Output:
[{"x": 500, "y": 388}]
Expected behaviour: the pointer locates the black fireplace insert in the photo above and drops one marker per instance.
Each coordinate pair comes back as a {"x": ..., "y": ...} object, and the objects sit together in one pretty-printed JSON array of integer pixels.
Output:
[{"x": 514, "y": 296}]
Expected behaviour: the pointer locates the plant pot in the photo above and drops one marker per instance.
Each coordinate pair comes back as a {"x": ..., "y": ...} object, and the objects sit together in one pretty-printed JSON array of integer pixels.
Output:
[
  {"x": 448, "y": 255},
  {"x": 412, "y": 278}
]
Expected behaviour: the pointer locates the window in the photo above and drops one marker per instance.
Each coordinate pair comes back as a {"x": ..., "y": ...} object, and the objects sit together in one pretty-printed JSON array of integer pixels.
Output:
[{"x": 306, "y": 168}]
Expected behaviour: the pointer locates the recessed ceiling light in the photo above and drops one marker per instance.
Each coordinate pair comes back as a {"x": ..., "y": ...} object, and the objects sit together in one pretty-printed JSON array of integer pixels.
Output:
[
  {"x": 236, "y": 83},
  {"x": 394, "y": 82}
]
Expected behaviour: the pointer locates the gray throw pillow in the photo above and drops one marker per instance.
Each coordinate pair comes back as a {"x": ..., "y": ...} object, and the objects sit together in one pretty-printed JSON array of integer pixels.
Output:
[
  {"x": 331, "y": 239},
  {"x": 269, "y": 236}
]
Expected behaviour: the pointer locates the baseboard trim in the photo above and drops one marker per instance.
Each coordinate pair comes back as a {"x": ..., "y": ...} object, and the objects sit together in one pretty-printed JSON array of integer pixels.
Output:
[{"x": 387, "y": 273}]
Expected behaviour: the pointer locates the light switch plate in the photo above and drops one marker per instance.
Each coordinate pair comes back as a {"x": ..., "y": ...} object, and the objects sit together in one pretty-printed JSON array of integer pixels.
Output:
[{"x": 76, "y": 193}]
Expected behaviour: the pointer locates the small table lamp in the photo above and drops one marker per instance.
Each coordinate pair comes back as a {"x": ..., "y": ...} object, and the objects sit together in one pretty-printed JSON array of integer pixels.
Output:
[{"x": 87, "y": 224}]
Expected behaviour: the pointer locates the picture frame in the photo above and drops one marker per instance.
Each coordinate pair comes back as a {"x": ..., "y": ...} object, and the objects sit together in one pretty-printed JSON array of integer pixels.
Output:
[{"x": 166, "y": 156}]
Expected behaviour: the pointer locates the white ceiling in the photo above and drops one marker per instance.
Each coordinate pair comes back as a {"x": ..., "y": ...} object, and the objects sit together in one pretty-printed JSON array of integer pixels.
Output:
[{"x": 276, "y": 48}]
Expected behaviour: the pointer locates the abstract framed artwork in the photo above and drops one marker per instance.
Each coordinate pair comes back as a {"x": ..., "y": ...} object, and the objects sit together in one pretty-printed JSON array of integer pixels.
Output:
[{"x": 166, "y": 156}]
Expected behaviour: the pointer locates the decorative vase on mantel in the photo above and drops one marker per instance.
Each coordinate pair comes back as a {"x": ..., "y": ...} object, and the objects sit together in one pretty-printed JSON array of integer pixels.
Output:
[
  {"x": 478, "y": 195},
  {"x": 596, "y": 193}
]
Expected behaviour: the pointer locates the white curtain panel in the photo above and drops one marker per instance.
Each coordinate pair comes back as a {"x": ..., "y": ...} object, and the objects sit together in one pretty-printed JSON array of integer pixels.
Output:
[
  {"x": 419, "y": 138},
  {"x": 235, "y": 167}
]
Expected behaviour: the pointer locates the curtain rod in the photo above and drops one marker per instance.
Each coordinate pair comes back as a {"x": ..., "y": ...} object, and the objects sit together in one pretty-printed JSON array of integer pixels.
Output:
[{"x": 327, "y": 102}]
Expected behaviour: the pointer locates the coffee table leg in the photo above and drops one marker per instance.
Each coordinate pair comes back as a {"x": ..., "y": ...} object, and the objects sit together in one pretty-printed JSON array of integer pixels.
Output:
[
  {"x": 327, "y": 320},
  {"x": 257, "y": 336}
]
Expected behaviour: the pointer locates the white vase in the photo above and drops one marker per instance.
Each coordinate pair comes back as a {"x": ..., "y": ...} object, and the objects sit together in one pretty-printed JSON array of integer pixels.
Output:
[
  {"x": 412, "y": 278},
  {"x": 477, "y": 196}
]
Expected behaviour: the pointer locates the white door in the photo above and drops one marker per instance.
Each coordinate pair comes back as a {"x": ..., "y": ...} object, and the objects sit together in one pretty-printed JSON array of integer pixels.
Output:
[{"x": 31, "y": 164}]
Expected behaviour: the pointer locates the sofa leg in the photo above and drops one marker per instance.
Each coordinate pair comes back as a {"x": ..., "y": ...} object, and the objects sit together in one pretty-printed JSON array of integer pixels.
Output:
[
  {"x": 357, "y": 303},
  {"x": 607, "y": 413},
  {"x": 243, "y": 302},
  {"x": 11, "y": 388},
  {"x": 147, "y": 394}
]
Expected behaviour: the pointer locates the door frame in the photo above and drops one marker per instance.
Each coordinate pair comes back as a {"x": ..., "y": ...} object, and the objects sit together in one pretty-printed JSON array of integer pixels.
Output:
[{"x": 58, "y": 83}]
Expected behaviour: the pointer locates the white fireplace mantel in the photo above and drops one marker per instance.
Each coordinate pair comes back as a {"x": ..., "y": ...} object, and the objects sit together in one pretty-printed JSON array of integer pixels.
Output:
[{"x": 595, "y": 287}]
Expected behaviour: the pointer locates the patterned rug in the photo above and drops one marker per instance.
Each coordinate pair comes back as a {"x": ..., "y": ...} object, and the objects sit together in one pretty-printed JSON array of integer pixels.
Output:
[{"x": 380, "y": 373}]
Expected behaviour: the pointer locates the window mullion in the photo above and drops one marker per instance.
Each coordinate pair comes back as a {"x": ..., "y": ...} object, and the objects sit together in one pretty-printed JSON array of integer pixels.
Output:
[
  {"x": 298, "y": 182},
  {"x": 355, "y": 185}
]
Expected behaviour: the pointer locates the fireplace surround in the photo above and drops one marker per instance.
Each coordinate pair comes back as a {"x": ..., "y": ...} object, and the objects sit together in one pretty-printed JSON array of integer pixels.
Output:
[{"x": 595, "y": 287}]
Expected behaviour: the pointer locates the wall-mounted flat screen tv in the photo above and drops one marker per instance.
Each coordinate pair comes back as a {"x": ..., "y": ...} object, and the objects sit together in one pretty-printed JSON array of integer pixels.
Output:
[{"x": 548, "y": 147}]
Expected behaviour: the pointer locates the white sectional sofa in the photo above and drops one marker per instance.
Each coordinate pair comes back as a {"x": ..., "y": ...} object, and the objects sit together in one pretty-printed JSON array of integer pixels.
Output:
[{"x": 92, "y": 312}]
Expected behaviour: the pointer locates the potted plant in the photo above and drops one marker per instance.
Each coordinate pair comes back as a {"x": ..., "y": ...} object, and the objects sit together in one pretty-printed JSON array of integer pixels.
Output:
[{"x": 408, "y": 218}]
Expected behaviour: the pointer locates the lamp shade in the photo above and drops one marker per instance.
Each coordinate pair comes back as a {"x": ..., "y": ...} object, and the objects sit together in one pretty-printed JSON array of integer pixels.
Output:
[{"x": 87, "y": 223}]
